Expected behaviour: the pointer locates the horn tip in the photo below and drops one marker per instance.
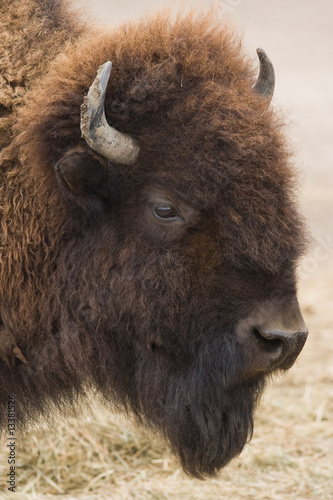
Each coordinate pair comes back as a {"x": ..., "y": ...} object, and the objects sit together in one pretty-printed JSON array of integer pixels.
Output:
[
  {"x": 107, "y": 66},
  {"x": 103, "y": 74},
  {"x": 261, "y": 53}
]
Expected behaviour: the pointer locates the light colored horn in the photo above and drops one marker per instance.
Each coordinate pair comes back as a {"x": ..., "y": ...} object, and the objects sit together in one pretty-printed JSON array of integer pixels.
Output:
[
  {"x": 95, "y": 130},
  {"x": 265, "y": 84}
]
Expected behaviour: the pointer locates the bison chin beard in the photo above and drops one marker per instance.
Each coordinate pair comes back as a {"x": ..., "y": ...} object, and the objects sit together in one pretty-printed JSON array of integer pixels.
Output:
[{"x": 205, "y": 416}]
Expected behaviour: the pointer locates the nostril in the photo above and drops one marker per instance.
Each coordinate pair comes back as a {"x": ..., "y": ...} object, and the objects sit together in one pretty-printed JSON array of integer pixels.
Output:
[
  {"x": 268, "y": 343},
  {"x": 271, "y": 339}
]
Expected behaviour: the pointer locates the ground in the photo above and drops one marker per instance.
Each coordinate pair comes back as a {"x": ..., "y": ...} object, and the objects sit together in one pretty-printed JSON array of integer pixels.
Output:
[{"x": 291, "y": 453}]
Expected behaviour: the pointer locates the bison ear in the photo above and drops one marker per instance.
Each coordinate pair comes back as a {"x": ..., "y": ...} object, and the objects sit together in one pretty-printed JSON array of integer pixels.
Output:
[{"x": 88, "y": 180}]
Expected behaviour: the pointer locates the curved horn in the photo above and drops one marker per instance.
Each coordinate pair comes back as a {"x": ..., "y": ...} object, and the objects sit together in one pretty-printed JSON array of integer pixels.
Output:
[
  {"x": 96, "y": 131},
  {"x": 265, "y": 84}
]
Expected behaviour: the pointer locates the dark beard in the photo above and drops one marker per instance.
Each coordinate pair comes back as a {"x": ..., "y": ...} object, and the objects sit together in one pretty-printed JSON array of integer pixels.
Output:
[{"x": 202, "y": 411}]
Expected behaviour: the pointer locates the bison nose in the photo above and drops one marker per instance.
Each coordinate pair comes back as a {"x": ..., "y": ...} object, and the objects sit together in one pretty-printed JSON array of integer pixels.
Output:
[
  {"x": 279, "y": 348},
  {"x": 272, "y": 337}
]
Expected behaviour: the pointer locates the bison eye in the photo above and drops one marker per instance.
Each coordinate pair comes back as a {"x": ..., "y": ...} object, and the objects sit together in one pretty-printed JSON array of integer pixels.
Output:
[{"x": 165, "y": 213}]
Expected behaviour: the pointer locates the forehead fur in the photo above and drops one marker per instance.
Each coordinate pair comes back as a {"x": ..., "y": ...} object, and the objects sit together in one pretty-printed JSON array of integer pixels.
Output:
[
  {"x": 174, "y": 70},
  {"x": 183, "y": 88}
]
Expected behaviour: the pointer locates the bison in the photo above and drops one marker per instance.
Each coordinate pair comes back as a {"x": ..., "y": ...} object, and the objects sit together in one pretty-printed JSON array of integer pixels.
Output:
[{"x": 149, "y": 225}]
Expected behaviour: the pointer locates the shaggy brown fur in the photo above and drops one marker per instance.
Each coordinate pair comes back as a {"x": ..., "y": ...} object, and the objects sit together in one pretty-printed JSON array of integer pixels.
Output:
[
  {"x": 26, "y": 48},
  {"x": 94, "y": 293}
]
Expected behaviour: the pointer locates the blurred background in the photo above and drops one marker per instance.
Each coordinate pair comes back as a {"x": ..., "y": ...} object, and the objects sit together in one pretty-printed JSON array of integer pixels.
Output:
[{"x": 291, "y": 453}]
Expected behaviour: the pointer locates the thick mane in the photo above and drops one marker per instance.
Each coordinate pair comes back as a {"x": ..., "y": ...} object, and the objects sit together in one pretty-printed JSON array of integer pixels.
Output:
[
  {"x": 32, "y": 34},
  {"x": 151, "y": 61}
]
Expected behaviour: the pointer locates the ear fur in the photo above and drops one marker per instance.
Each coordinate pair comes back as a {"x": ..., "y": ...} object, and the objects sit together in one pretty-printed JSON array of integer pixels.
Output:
[{"x": 87, "y": 179}]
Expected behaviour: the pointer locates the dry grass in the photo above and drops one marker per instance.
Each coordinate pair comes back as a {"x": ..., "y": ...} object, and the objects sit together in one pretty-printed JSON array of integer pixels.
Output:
[{"x": 290, "y": 456}]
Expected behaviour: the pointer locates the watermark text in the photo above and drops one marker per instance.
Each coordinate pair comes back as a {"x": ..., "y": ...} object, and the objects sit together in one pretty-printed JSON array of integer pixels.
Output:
[{"x": 11, "y": 443}]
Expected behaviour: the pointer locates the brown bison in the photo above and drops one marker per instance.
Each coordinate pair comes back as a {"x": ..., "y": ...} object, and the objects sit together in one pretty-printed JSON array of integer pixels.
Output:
[{"x": 153, "y": 257}]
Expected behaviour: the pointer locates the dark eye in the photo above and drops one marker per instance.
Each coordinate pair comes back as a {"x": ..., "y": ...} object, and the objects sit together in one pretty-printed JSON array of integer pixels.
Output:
[{"x": 165, "y": 212}]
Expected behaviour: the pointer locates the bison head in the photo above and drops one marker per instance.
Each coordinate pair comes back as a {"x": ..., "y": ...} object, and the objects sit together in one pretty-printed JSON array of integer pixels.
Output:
[{"x": 168, "y": 278}]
